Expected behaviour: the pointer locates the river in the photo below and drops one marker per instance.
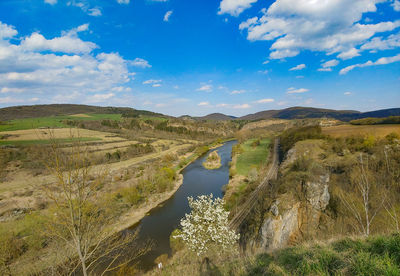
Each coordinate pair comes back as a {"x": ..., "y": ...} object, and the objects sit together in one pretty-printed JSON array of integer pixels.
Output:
[{"x": 161, "y": 221}]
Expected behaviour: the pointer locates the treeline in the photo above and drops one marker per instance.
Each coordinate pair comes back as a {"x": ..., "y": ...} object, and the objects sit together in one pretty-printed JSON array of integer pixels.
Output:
[
  {"x": 377, "y": 121},
  {"x": 294, "y": 135}
]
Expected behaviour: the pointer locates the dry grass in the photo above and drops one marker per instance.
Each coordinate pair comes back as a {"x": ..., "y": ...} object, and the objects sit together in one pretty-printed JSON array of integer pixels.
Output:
[
  {"x": 352, "y": 130},
  {"x": 58, "y": 133},
  {"x": 81, "y": 116}
]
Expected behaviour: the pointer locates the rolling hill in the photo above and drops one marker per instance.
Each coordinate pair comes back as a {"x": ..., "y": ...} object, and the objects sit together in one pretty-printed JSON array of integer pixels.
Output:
[
  {"x": 36, "y": 111},
  {"x": 310, "y": 112}
]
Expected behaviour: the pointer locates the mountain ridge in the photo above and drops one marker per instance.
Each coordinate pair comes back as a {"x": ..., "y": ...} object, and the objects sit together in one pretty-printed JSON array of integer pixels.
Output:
[{"x": 296, "y": 112}]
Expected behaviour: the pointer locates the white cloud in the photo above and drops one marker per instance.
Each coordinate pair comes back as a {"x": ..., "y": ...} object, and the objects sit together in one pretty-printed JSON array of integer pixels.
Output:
[
  {"x": 96, "y": 98},
  {"x": 51, "y": 2},
  {"x": 292, "y": 90},
  {"x": 298, "y": 67},
  {"x": 380, "y": 43},
  {"x": 37, "y": 67},
  {"x": 152, "y": 82},
  {"x": 241, "y": 106},
  {"x": 353, "y": 52},
  {"x": 347, "y": 93},
  {"x": 123, "y": 1},
  {"x": 234, "y": 7},
  {"x": 381, "y": 61},
  {"x": 68, "y": 42},
  {"x": 139, "y": 62},
  {"x": 205, "y": 88},
  {"x": 156, "y": 85},
  {"x": 94, "y": 11},
  {"x": 327, "y": 66},
  {"x": 84, "y": 6},
  {"x": 266, "y": 62},
  {"x": 262, "y": 101},
  {"x": 332, "y": 27},
  {"x": 396, "y": 5},
  {"x": 222, "y": 105},
  {"x": 167, "y": 15},
  {"x": 203, "y": 104},
  {"x": 7, "y": 31},
  {"x": 11, "y": 90},
  {"x": 241, "y": 91}
]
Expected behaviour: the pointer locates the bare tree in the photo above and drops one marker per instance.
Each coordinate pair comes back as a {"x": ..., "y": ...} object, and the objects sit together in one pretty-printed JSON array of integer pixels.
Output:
[
  {"x": 368, "y": 200},
  {"x": 80, "y": 217}
]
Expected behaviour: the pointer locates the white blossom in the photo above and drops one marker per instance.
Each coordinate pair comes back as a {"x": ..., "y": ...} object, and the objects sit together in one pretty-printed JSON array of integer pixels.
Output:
[{"x": 206, "y": 225}]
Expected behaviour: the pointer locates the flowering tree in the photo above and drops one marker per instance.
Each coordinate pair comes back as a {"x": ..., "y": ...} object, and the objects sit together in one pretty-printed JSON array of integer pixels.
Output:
[{"x": 206, "y": 225}]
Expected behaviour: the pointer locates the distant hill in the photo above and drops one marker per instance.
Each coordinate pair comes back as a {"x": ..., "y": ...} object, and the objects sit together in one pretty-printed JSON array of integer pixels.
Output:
[
  {"x": 35, "y": 111},
  {"x": 310, "y": 112},
  {"x": 216, "y": 117}
]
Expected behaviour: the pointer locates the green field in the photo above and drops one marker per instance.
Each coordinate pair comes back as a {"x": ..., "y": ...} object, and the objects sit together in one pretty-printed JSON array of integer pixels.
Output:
[
  {"x": 53, "y": 121},
  {"x": 46, "y": 141},
  {"x": 252, "y": 156}
]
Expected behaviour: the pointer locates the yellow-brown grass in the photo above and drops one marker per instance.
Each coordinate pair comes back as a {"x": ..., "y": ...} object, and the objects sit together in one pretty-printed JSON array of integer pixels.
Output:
[
  {"x": 58, "y": 133},
  {"x": 353, "y": 130},
  {"x": 81, "y": 116}
]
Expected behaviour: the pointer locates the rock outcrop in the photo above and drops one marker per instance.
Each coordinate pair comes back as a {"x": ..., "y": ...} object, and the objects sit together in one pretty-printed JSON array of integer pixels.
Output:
[{"x": 295, "y": 214}]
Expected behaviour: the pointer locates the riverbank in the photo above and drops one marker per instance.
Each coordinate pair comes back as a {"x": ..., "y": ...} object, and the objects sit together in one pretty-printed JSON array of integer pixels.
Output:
[{"x": 136, "y": 214}]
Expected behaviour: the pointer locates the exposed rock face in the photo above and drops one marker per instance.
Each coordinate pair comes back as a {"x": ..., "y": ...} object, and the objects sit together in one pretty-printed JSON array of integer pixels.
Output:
[
  {"x": 290, "y": 219},
  {"x": 277, "y": 231},
  {"x": 317, "y": 193}
]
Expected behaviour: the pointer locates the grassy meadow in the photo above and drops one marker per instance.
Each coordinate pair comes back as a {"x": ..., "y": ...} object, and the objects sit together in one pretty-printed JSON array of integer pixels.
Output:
[
  {"x": 254, "y": 153},
  {"x": 53, "y": 121}
]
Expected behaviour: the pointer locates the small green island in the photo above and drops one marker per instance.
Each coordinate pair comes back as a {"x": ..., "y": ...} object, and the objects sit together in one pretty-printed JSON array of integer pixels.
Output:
[{"x": 213, "y": 161}]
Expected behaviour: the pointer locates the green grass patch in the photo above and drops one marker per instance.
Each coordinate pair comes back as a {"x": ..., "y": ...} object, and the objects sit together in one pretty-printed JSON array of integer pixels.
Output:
[
  {"x": 373, "y": 256},
  {"x": 253, "y": 155},
  {"x": 46, "y": 141},
  {"x": 153, "y": 118},
  {"x": 53, "y": 121}
]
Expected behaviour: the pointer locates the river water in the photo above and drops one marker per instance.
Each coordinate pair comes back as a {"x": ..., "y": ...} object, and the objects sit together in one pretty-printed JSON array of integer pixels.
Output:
[{"x": 161, "y": 221}]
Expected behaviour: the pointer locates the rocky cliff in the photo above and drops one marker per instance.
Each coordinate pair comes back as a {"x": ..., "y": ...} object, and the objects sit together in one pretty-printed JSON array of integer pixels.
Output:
[{"x": 295, "y": 213}]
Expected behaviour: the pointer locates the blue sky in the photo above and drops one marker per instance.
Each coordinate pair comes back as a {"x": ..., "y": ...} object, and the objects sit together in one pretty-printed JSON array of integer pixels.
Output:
[{"x": 201, "y": 56}]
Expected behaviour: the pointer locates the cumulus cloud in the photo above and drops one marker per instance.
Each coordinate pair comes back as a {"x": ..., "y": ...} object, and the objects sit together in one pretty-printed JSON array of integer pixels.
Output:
[
  {"x": 139, "y": 62},
  {"x": 332, "y": 27},
  {"x": 298, "y": 67},
  {"x": 234, "y": 7},
  {"x": 167, "y": 16},
  {"x": 292, "y": 90},
  {"x": 327, "y": 66},
  {"x": 381, "y": 61},
  {"x": 69, "y": 42},
  {"x": 153, "y": 83},
  {"x": 262, "y": 101},
  {"x": 380, "y": 43},
  {"x": 205, "y": 88},
  {"x": 39, "y": 67}
]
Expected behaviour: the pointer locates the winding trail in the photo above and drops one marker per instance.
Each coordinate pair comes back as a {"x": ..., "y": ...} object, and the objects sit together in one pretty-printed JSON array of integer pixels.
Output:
[{"x": 251, "y": 201}]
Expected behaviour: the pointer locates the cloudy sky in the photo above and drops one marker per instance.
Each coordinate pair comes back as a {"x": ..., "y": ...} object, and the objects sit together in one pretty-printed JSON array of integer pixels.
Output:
[{"x": 201, "y": 56}]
